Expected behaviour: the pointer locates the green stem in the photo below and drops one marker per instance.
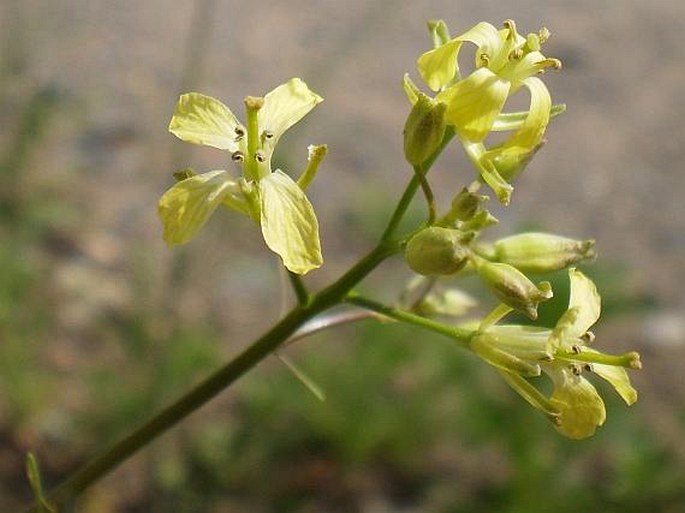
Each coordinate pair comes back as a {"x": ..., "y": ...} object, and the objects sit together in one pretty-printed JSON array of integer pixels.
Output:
[
  {"x": 218, "y": 381},
  {"x": 255, "y": 353},
  {"x": 411, "y": 189},
  {"x": 428, "y": 193},
  {"x": 460, "y": 334},
  {"x": 300, "y": 290}
]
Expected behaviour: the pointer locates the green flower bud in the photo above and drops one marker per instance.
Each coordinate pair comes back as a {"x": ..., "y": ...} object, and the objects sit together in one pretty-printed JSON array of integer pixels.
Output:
[
  {"x": 542, "y": 252},
  {"x": 424, "y": 129},
  {"x": 512, "y": 287},
  {"x": 436, "y": 251},
  {"x": 466, "y": 204}
]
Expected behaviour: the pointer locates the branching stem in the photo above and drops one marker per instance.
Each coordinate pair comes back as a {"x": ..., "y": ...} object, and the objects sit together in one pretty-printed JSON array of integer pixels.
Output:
[{"x": 309, "y": 306}]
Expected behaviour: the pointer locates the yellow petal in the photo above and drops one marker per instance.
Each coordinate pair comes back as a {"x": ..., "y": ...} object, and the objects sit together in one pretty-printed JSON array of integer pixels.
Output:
[
  {"x": 618, "y": 378},
  {"x": 285, "y": 106},
  {"x": 585, "y": 298},
  {"x": 201, "y": 119},
  {"x": 581, "y": 409},
  {"x": 289, "y": 224},
  {"x": 474, "y": 103},
  {"x": 185, "y": 208},
  {"x": 439, "y": 66}
]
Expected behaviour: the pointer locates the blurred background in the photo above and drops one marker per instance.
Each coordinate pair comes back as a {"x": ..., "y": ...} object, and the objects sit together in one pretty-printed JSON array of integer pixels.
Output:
[{"x": 101, "y": 324}]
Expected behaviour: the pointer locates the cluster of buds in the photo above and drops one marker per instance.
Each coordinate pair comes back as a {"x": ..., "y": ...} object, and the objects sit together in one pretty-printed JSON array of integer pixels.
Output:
[
  {"x": 471, "y": 107},
  {"x": 505, "y": 62}
]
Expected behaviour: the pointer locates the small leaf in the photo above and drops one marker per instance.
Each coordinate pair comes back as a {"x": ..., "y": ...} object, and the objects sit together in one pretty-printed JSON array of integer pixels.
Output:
[{"x": 289, "y": 224}]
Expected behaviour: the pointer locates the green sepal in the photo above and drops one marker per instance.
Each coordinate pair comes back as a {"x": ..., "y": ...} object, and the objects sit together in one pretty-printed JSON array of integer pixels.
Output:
[
  {"x": 486, "y": 346},
  {"x": 289, "y": 224},
  {"x": 424, "y": 129}
]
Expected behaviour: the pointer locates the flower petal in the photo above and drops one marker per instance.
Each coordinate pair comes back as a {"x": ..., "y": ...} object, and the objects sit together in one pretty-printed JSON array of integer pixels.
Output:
[
  {"x": 185, "y": 208},
  {"x": 439, "y": 66},
  {"x": 474, "y": 103},
  {"x": 201, "y": 119},
  {"x": 285, "y": 106},
  {"x": 289, "y": 224},
  {"x": 586, "y": 299},
  {"x": 581, "y": 409},
  {"x": 618, "y": 378},
  {"x": 511, "y": 157}
]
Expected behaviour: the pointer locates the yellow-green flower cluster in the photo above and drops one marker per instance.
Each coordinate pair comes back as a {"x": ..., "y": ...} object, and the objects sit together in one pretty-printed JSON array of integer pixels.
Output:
[
  {"x": 565, "y": 355},
  {"x": 271, "y": 198},
  {"x": 505, "y": 62}
]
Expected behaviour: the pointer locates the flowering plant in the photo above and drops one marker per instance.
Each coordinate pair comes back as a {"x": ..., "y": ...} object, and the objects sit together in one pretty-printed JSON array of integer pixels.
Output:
[{"x": 440, "y": 251}]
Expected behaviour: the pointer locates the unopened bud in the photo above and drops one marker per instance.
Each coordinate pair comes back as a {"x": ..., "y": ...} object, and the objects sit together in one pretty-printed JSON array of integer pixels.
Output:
[
  {"x": 436, "y": 251},
  {"x": 466, "y": 204},
  {"x": 542, "y": 252},
  {"x": 512, "y": 287},
  {"x": 424, "y": 129}
]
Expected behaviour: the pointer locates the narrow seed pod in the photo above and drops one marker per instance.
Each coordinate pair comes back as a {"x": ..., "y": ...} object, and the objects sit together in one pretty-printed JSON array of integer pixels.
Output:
[{"x": 436, "y": 251}]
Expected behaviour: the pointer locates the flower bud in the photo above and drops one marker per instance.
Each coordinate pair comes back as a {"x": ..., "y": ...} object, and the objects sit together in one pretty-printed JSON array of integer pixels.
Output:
[
  {"x": 512, "y": 287},
  {"x": 424, "y": 129},
  {"x": 466, "y": 204},
  {"x": 542, "y": 252},
  {"x": 436, "y": 251}
]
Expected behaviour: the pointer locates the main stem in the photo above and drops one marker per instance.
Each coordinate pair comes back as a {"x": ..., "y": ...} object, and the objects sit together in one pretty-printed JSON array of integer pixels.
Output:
[{"x": 250, "y": 357}]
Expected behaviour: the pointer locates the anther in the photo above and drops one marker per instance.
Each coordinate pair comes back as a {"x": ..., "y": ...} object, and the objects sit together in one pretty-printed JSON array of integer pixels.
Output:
[
  {"x": 575, "y": 349},
  {"x": 576, "y": 369},
  {"x": 588, "y": 367},
  {"x": 484, "y": 59},
  {"x": 588, "y": 337},
  {"x": 259, "y": 157},
  {"x": 237, "y": 156},
  {"x": 267, "y": 134},
  {"x": 515, "y": 54}
]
